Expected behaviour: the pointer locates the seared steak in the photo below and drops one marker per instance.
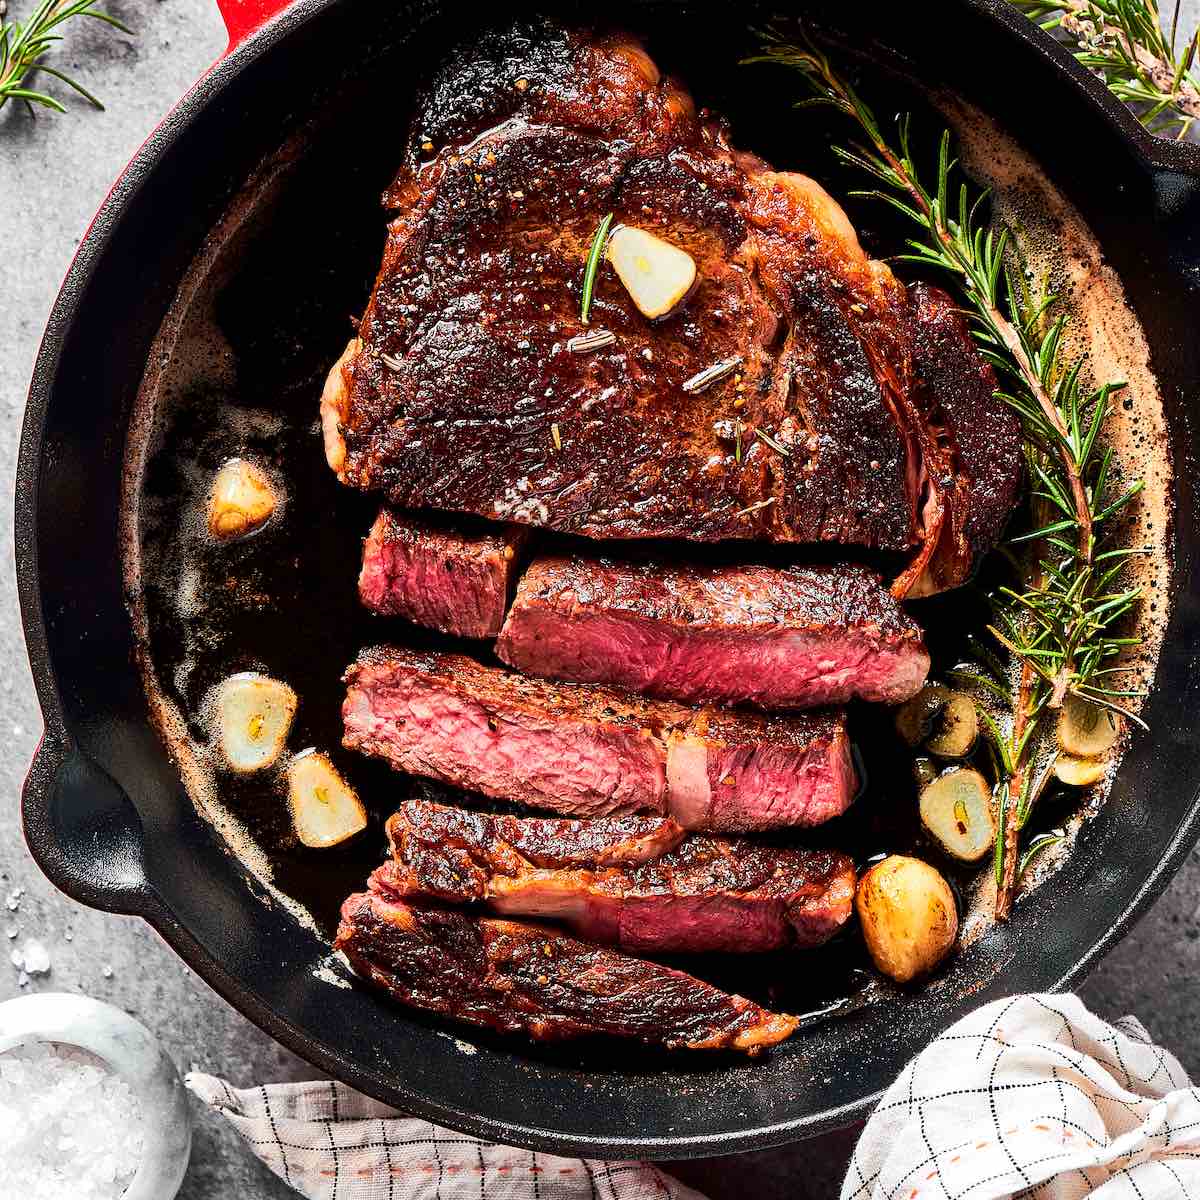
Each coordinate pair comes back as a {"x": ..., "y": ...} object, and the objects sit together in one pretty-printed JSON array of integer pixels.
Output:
[
  {"x": 461, "y": 391},
  {"x": 700, "y": 894},
  {"x": 456, "y": 582},
  {"x": 786, "y": 638},
  {"x": 974, "y": 467},
  {"x": 520, "y": 977},
  {"x": 592, "y": 751},
  {"x": 450, "y": 850}
]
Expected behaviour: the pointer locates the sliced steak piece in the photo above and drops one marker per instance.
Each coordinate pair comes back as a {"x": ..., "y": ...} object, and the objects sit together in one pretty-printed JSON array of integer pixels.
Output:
[
  {"x": 593, "y": 751},
  {"x": 515, "y": 977},
  {"x": 461, "y": 391},
  {"x": 456, "y": 582},
  {"x": 778, "y": 638},
  {"x": 697, "y": 895}
]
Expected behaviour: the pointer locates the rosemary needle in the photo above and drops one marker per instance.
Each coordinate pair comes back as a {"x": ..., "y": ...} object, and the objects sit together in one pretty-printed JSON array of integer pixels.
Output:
[
  {"x": 593, "y": 265},
  {"x": 778, "y": 447}
]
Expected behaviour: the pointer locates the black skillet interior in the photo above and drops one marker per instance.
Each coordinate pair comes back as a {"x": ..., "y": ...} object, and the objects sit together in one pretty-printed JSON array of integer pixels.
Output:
[{"x": 105, "y": 812}]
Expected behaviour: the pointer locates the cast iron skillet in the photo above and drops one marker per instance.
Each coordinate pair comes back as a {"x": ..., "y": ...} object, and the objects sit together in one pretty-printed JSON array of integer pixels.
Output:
[{"x": 106, "y": 816}]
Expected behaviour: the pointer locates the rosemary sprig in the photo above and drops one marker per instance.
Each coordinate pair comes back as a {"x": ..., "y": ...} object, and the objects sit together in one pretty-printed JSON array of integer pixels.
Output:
[
  {"x": 24, "y": 45},
  {"x": 1124, "y": 43},
  {"x": 599, "y": 241},
  {"x": 1059, "y": 625}
]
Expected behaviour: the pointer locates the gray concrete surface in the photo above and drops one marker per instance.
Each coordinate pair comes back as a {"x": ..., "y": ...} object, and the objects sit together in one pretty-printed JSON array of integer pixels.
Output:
[{"x": 54, "y": 171}]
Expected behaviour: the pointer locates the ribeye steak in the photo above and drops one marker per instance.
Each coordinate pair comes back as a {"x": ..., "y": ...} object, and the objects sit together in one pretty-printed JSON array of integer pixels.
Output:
[
  {"x": 700, "y": 894},
  {"x": 778, "y": 638},
  {"x": 454, "y": 581},
  {"x": 516, "y": 976},
  {"x": 592, "y": 751},
  {"x": 461, "y": 392}
]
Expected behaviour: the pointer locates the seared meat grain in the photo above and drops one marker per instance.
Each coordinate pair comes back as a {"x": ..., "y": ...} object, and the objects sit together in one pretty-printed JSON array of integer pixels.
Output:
[
  {"x": 462, "y": 393},
  {"x": 592, "y": 751},
  {"x": 520, "y": 977},
  {"x": 777, "y": 638},
  {"x": 455, "y": 582},
  {"x": 695, "y": 894}
]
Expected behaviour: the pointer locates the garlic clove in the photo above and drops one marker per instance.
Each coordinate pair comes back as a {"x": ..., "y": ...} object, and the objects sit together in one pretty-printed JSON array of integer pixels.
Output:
[
  {"x": 1079, "y": 772},
  {"x": 241, "y": 501},
  {"x": 956, "y": 808},
  {"x": 325, "y": 808},
  {"x": 656, "y": 274},
  {"x": 1086, "y": 730},
  {"x": 253, "y": 716}
]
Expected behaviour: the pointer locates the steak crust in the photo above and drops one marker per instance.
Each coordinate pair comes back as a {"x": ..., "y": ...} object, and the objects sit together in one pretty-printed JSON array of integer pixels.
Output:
[
  {"x": 777, "y": 638},
  {"x": 974, "y": 467},
  {"x": 450, "y": 395},
  {"x": 592, "y": 751},
  {"x": 691, "y": 894},
  {"x": 521, "y": 977}
]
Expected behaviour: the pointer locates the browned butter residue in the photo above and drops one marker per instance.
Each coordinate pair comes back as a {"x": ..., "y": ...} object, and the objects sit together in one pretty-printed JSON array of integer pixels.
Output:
[{"x": 1065, "y": 259}]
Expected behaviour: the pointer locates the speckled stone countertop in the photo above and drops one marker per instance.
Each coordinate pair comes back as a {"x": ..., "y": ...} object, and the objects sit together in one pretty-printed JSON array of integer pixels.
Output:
[{"x": 54, "y": 171}]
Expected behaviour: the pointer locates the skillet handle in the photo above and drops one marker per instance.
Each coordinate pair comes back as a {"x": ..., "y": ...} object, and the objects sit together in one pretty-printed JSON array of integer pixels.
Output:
[
  {"x": 246, "y": 17},
  {"x": 84, "y": 832}
]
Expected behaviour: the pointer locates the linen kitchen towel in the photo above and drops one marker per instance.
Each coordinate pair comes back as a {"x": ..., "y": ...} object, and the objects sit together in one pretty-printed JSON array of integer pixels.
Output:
[
  {"x": 1034, "y": 1096},
  {"x": 327, "y": 1140}
]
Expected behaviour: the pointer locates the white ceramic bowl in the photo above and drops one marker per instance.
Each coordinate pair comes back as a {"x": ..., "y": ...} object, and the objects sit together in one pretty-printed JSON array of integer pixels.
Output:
[{"x": 130, "y": 1051}]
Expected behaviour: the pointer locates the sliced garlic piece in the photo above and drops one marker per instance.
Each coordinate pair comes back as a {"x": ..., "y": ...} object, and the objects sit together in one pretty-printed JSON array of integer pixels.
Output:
[
  {"x": 1078, "y": 772},
  {"x": 656, "y": 274},
  {"x": 915, "y": 718},
  {"x": 955, "y": 728},
  {"x": 956, "y": 808},
  {"x": 1086, "y": 730},
  {"x": 325, "y": 808},
  {"x": 241, "y": 501},
  {"x": 254, "y": 715}
]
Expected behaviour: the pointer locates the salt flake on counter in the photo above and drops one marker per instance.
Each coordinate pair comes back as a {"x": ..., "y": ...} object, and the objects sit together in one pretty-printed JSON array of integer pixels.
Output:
[{"x": 32, "y": 958}]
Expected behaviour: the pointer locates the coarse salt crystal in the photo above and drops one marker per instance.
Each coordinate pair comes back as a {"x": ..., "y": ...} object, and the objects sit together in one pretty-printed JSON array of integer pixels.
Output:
[
  {"x": 72, "y": 1129},
  {"x": 13, "y": 900},
  {"x": 37, "y": 957},
  {"x": 32, "y": 957}
]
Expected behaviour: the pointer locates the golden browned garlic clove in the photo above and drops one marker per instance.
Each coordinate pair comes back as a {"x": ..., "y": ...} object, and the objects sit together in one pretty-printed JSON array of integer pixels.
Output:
[
  {"x": 325, "y": 808},
  {"x": 908, "y": 916},
  {"x": 656, "y": 274},
  {"x": 915, "y": 718},
  {"x": 1079, "y": 772},
  {"x": 241, "y": 501},
  {"x": 1086, "y": 730},
  {"x": 955, "y": 728},
  {"x": 253, "y": 717}
]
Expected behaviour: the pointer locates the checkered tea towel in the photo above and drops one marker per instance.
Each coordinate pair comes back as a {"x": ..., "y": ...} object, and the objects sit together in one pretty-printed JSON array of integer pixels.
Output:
[
  {"x": 1031, "y": 1096},
  {"x": 329, "y": 1141},
  {"x": 1034, "y": 1096}
]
